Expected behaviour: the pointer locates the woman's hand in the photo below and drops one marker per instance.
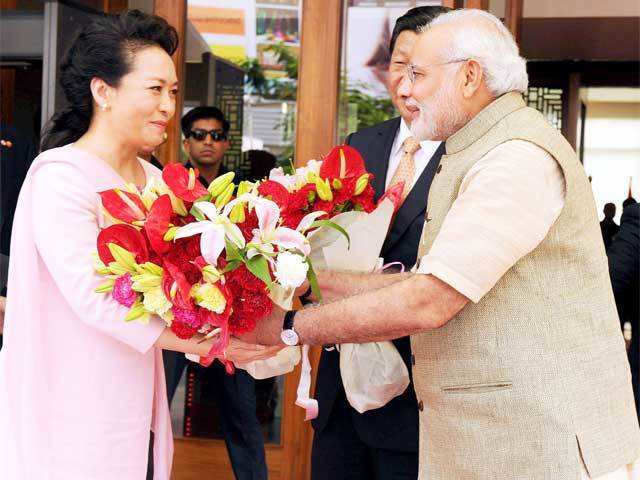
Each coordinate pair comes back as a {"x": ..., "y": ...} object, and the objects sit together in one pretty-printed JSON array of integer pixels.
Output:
[{"x": 242, "y": 352}]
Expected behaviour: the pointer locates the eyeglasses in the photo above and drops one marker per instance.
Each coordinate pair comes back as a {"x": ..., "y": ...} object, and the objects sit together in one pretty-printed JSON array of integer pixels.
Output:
[
  {"x": 413, "y": 75},
  {"x": 199, "y": 135}
]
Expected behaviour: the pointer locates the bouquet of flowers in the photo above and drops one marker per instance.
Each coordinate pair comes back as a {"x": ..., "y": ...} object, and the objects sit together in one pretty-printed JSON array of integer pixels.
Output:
[{"x": 215, "y": 260}]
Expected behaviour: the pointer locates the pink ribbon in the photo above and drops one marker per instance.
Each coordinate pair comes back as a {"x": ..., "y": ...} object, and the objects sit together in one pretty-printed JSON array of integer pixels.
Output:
[
  {"x": 387, "y": 265},
  {"x": 304, "y": 400}
]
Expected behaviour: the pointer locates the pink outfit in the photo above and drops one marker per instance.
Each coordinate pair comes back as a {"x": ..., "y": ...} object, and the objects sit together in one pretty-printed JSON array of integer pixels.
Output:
[{"x": 80, "y": 388}]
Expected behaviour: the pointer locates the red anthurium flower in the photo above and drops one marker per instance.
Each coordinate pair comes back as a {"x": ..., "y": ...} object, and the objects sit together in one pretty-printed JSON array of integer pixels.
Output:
[
  {"x": 157, "y": 224},
  {"x": 173, "y": 274},
  {"x": 394, "y": 194},
  {"x": 123, "y": 206},
  {"x": 183, "y": 183},
  {"x": 342, "y": 162},
  {"x": 127, "y": 237},
  {"x": 276, "y": 191}
]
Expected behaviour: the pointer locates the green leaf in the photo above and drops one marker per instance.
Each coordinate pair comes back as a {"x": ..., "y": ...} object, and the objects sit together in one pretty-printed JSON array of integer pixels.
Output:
[
  {"x": 197, "y": 213},
  {"x": 313, "y": 281},
  {"x": 231, "y": 266},
  {"x": 335, "y": 226},
  {"x": 233, "y": 253},
  {"x": 259, "y": 266}
]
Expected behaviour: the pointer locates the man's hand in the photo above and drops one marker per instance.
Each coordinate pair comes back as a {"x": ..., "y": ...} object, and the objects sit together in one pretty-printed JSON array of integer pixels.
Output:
[
  {"x": 268, "y": 329},
  {"x": 241, "y": 352},
  {"x": 3, "y": 303}
]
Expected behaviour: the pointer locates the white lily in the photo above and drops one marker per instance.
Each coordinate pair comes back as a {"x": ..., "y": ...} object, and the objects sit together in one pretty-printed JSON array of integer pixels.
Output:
[
  {"x": 215, "y": 231},
  {"x": 287, "y": 181}
]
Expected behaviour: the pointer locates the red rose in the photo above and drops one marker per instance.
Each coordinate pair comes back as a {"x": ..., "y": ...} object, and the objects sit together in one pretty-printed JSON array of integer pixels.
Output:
[
  {"x": 182, "y": 330},
  {"x": 250, "y": 223},
  {"x": 276, "y": 192},
  {"x": 250, "y": 300}
]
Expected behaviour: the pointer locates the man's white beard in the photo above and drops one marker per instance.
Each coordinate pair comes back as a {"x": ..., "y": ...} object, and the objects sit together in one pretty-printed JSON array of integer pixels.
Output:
[{"x": 440, "y": 118}]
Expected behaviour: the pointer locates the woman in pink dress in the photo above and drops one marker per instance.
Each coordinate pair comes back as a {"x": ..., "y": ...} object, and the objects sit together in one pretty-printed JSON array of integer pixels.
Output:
[{"x": 80, "y": 389}]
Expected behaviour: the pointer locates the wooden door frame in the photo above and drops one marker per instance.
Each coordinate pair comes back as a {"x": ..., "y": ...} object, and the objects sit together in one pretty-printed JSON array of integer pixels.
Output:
[
  {"x": 316, "y": 134},
  {"x": 175, "y": 11}
]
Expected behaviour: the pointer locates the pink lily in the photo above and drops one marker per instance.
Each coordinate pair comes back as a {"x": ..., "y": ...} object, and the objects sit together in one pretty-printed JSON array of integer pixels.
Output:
[{"x": 269, "y": 234}]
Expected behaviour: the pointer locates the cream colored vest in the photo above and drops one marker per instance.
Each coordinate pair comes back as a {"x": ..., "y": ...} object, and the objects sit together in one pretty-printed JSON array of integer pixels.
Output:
[{"x": 534, "y": 377}]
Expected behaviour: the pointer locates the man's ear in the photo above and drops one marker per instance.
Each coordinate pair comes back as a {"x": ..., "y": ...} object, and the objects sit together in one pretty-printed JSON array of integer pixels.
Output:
[{"x": 473, "y": 78}]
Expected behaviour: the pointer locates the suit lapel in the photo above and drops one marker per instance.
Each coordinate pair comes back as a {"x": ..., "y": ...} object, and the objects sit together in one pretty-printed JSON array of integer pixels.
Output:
[{"x": 415, "y": 203}]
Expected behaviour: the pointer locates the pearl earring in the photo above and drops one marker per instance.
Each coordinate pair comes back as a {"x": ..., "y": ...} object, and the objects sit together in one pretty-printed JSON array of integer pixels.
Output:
[{"x": 104, "y": 107}]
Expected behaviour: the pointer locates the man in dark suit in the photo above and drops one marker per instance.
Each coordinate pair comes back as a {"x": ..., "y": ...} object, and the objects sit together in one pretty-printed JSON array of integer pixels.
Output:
[
  {"x": 624, "y": 269},
  {"x": 382, "y": 444}
]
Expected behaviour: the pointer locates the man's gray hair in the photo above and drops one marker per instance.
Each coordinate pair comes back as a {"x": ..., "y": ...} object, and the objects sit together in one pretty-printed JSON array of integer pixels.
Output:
[{"x": 484, "y": 38}]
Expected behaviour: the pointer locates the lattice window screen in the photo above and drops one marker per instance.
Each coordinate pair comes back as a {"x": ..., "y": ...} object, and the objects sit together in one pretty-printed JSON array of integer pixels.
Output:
[{"x": 548, "y": 101}]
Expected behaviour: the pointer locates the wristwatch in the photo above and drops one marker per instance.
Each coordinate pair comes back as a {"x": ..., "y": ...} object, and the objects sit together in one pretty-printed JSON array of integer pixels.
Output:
[
  {"x": 304, "y": 298},
  {"x": 289, "y": 335}
]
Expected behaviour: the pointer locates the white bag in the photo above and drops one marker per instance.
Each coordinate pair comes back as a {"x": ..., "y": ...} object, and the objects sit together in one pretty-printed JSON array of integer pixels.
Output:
[{"x": 372, "y": 374}]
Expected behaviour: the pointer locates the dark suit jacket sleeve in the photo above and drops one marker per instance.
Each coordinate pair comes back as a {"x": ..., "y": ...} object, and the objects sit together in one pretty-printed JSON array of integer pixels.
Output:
[{"x": 624, "y": 256}]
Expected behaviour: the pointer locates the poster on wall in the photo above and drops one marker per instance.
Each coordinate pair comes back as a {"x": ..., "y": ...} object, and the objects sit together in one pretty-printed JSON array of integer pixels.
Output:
[
  {"x": 277, "y": 25},
  {"x": 277, "y": 22},
  {"x": 239, "y": 29},
  {"x": 368, "y": 34},
  {"x": 227, "y": 26}
]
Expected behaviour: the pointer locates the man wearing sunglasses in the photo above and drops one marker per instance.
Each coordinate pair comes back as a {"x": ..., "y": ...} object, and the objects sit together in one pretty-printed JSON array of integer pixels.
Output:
[{"x": 206, "y": 140}]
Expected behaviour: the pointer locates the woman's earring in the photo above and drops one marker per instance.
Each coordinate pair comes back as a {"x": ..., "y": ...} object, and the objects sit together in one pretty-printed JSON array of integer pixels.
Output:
[
  {"x": 165, "y": 135},
  {"x": 104, "y": 107}
]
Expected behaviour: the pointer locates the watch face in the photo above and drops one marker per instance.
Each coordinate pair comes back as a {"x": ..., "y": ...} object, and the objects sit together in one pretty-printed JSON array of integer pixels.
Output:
[{"x": 289, "y": 337}]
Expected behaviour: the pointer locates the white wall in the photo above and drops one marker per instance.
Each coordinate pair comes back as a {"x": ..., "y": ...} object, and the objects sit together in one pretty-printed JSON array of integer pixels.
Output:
[
  {"x": 581, "y": 8},
  {"x": 571, "y": 8},
  {"x": 612, "y": 151}
]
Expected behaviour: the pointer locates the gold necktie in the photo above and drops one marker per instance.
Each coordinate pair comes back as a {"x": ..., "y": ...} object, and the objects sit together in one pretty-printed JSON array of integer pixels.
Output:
[{"x": 407, "y": 167}]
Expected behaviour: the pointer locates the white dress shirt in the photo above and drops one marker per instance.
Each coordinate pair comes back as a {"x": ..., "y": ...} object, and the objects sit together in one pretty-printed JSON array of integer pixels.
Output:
[
  {"x": 506, "y": 205},
  {"x": 421, "y": 157}
]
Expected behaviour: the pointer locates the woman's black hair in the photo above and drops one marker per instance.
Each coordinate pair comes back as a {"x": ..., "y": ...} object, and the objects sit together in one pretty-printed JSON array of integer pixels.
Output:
[{"x": 105, "y": 48}]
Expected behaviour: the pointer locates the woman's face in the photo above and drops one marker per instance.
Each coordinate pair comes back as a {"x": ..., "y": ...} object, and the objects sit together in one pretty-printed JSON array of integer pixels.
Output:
[{"x": 145, "y": 100}]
